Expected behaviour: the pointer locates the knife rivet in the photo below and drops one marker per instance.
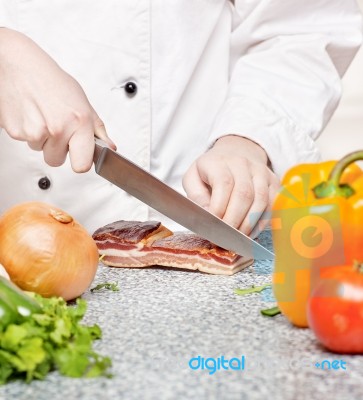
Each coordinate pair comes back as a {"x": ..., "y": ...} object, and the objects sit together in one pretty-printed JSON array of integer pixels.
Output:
[
  {"x": 44, "y": 183},
  {"x": 130, "y": 88}
]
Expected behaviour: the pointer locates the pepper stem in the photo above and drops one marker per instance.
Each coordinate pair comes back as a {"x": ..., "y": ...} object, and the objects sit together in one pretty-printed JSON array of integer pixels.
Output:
[
  {"x": 358, "y": 266},
  {"x": 333, "y": 187}
]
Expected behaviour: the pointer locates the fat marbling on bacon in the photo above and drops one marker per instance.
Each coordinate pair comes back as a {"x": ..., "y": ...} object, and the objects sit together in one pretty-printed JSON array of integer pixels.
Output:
[{"x": 135, "y": 244}]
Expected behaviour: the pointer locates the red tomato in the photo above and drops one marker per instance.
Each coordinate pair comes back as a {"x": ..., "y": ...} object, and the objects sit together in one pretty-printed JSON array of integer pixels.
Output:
[{"x": 335, "y": 309}]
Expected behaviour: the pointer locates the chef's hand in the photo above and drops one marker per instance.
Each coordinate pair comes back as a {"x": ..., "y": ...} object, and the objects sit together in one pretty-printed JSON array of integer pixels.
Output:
[
  {"x": 232, "y": 180},
  {"x": 44, "y": 106}
]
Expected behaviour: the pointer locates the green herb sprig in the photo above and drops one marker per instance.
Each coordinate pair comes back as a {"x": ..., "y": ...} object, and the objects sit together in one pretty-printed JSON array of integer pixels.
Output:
[
  {"x": 52, "y": 339},
  {"x": 268, "y": 312},
  {"x": 106, "y": 285},
  {"x": 271, "y": 312},
  {"x": 252, "y": 289}
]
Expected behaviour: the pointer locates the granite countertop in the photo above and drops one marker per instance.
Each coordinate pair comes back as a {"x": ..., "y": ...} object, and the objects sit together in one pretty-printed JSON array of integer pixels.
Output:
[{"x": 161, "y": 318}]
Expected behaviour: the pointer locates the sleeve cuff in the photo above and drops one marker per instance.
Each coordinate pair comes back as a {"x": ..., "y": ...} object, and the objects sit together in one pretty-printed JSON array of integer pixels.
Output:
[{"x": 285, "y": 143}]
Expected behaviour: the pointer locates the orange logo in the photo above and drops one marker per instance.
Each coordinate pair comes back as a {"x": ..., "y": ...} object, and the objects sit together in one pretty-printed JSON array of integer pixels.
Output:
[{"x": 322, "y": 229}]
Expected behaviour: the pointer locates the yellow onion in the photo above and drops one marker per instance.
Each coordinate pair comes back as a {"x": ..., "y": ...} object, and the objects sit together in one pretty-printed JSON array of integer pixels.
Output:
[{"x": 44, "y": 250}]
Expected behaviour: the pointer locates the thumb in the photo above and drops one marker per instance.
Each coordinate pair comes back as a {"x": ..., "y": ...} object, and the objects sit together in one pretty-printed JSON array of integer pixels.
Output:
[
  {"x": 195, "y": 188},
  {"x": 100, "y": 131}
]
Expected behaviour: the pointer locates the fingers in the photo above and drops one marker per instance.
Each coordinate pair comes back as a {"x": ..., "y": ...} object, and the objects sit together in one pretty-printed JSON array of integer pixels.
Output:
[
  {"x": 195, "y": 188},
  {"x": 55, "y": 150},
  {"x": 259, "y": 215},
  {"x": 76, "y": 138},
  {"x": 241, "y": 197},
  {"x": 221, "y": 182},
  {"x": 260, "y": 200},
  {"x": 31, "y": 129},
  {"x": 265, "y": 218},
  {"x": 81, "y": 144},
  {"x": 242, "y": 202},
  {"x": 100, "y": 131},
  {"x": 38, "y": 139},
  {"x": 221, "y": 193},
  {"x": 240, "y": 192},
  {"x": 81, "y": 148}
]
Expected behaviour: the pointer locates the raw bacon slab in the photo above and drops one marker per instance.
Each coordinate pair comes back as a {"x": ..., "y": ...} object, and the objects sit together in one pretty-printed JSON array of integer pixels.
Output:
[
  {"x": 122, "y": 243},
  {"x": 134, "y": 244},
  {"x": 187, "y": 250}
]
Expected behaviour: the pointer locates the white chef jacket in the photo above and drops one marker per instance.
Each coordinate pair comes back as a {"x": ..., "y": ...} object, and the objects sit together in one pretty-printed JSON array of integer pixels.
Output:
[{"x": 268, "y": 70}]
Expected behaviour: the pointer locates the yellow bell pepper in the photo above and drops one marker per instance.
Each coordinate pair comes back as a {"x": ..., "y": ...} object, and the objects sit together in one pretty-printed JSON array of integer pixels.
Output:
[{"x": 317, "y": 221}]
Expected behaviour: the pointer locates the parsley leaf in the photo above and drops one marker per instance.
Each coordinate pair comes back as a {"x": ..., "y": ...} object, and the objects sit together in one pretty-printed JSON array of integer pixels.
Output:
[
  {"x": 252, "y": 289},
  {"x": 107, "y": 285},
  {"x": 271, "y": 312},
  {"x": 53, "y": 339}
]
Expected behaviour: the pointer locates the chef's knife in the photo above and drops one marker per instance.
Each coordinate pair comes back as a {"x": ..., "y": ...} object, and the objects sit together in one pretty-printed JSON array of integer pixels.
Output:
[{"x": 152, "y": 191}]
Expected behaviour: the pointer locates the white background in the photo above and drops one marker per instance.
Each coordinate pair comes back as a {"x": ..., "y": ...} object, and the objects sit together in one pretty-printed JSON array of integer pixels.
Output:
[{"x": 344, "y": 133}]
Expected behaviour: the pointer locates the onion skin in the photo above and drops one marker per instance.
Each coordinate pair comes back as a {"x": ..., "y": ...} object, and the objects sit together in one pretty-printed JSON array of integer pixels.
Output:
[{"x": 44, "y": 250}]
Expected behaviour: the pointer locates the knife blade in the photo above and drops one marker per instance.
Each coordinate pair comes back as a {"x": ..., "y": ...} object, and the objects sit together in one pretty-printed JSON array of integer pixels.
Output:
[{"x": 146, "y": 187}]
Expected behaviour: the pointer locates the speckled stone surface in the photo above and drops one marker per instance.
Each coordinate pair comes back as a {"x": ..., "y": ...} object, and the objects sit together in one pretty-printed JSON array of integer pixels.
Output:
[{"x": 161, "y": 318}]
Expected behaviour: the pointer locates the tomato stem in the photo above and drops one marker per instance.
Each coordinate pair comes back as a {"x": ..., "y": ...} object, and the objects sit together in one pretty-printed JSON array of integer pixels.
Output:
[{"x": 333, "y": 187}]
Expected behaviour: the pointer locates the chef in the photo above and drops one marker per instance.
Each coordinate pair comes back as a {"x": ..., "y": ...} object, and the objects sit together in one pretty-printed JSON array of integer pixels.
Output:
[{"x": 216, "y": 98}]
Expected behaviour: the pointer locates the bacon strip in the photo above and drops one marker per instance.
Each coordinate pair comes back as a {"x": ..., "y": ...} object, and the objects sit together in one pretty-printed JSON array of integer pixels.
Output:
[{"x": 134, "y": 244}]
